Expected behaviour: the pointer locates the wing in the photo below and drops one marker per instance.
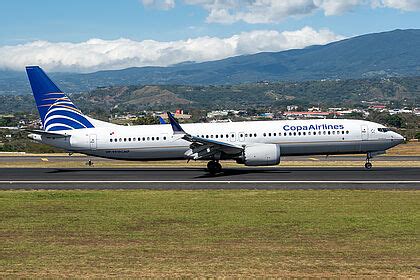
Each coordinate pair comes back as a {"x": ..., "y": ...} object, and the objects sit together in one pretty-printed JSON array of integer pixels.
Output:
[{"x": 203, "y": 148}]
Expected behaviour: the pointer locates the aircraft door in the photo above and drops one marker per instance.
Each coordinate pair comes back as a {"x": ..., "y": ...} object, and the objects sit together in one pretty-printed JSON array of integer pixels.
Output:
[
  {"x": 365, "y": 132},
  {"x": 92, "y": 141}
]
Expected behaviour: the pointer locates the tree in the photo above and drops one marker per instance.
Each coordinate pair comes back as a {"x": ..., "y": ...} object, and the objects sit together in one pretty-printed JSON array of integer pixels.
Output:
[
  {"x": 395, "y": 121},
  {"x": 146, "y": 120}
]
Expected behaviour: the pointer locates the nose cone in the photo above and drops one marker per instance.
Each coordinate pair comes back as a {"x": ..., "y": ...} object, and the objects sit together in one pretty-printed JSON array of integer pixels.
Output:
[{"x": 399, "y": 138}]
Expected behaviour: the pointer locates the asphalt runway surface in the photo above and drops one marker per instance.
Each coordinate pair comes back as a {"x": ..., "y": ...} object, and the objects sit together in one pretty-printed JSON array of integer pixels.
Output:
[
  {"x": 77, "y": 158},
  {"x": 198, "y": 178}
]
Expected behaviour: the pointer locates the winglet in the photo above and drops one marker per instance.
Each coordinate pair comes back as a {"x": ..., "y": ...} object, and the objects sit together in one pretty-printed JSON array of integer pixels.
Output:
[
  {"x": 161, "y": 120},
  {"x": 175, "y": 125}
]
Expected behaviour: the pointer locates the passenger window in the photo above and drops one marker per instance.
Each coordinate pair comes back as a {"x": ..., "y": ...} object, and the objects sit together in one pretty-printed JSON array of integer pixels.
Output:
[
  {"x": 347, "y": 132},
  {"x": 129, "y": 139},
  {"x": 299, "y": 133},
  {"x": 294, "y": 133},
  {"x": 164, "y": 137},
  {"x": 115, "y": 140},
  {"x": 144, "y": 139},
  {"x": 255, "y": 134},
  {"x": 153, "y": 138},
  {"x": 264, "y": 134},
  {"x": 221, "y": 135},
  {"x": 110, "y": 140},
  {"x": 269, "y": 134},
  {"x": 290, "y": 134},
  {"x": 217, "y": 136},
  {"x": 157, "y": 138},
  {"x": 138, "y": 139},
  {"x": 148, "y": 138},
  {"x": 304, "y": 133}
]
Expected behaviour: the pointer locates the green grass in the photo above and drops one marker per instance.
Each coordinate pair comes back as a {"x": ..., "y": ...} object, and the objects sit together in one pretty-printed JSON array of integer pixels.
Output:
[{"x": 209, "y": 233}]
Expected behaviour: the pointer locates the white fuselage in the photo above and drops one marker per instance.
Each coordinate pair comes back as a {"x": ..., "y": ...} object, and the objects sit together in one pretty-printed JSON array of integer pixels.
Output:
[{"x": 294, "y": 137}]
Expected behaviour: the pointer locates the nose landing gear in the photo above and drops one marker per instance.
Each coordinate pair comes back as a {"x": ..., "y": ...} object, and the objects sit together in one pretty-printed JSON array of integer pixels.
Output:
[
  {"x": 368, "y": 164},
  {"x": 214, "y": 167}
]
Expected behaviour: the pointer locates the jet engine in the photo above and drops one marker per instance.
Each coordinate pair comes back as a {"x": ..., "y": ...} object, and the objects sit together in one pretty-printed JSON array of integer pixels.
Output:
[{"x": 261, "y": 154}]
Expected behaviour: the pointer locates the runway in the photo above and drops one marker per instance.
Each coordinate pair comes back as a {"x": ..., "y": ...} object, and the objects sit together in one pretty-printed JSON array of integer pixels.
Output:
[{"x": 198, "y": 178}]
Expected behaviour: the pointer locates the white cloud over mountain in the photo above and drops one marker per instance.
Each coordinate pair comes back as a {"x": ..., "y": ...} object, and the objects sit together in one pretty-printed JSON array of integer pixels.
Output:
[
  {"x": 271, "y": 11},
  {"x": 97, "y": 54}
]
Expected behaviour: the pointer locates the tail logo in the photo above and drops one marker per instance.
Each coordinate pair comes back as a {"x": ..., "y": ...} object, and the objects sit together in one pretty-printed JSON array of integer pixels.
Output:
[{"x": 61, "y": 114}]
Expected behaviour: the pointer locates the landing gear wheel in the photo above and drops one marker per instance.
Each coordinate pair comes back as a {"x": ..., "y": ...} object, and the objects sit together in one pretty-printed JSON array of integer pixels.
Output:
[{"x": 214, "y": 167}]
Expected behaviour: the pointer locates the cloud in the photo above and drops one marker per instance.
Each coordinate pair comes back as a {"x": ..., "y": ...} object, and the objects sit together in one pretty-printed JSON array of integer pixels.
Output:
[
  {"x": 334, "y": 7},
  {"x": 404, "y": 5},
  {"x": 159, "y": 4},
  {"x": 97, "y": 54},
  {"x": 274, "y": 11}
]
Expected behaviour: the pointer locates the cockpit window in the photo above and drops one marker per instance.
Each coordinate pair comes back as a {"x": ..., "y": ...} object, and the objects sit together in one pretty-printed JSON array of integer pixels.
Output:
[{"x": 383, "y": 129}]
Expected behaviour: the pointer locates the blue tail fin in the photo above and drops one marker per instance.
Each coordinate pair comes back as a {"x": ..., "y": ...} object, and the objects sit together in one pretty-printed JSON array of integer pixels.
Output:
[{"x": 56, "y": 110}]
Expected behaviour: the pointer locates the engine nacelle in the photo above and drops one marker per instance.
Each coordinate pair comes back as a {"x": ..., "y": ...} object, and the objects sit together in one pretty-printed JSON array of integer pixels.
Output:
[{"x": 261, "y": 154}]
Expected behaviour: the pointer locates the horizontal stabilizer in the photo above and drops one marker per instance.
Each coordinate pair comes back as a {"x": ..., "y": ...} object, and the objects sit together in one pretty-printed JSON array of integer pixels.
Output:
[{"x": 47, "y": 133}]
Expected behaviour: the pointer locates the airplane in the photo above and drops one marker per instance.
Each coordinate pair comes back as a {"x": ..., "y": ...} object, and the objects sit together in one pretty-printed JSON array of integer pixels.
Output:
[{"x": 251, "y": 143}]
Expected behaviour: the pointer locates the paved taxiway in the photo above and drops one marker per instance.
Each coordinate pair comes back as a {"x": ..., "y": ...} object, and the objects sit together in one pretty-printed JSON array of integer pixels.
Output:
[{"x": 197, "y": 178}]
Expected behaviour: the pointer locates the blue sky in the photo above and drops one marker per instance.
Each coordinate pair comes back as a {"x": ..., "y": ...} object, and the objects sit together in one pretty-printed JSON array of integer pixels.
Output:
[{"x": 74, "y": 22}]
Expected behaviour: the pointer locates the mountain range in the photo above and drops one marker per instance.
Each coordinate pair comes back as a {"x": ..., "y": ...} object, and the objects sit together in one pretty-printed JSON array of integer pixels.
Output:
[{"x": 387, "y": 54}]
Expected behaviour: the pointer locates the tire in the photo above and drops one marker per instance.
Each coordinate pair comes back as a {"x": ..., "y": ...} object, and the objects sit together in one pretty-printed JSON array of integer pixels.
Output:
[
  {"x": 214, "y": 167},
  {"x": 368, "y": 165}
]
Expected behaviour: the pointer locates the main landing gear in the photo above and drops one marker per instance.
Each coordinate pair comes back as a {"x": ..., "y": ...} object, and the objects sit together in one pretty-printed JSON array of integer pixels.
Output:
[
  {"x": 368, "y": 165},
  {"x": 214, "y": 167}
]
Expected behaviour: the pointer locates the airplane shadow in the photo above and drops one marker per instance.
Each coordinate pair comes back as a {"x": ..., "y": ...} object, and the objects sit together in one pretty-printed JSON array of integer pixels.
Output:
[
  {"x": 205, "y": 174},
  {"x": 234, "y": 172}
]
